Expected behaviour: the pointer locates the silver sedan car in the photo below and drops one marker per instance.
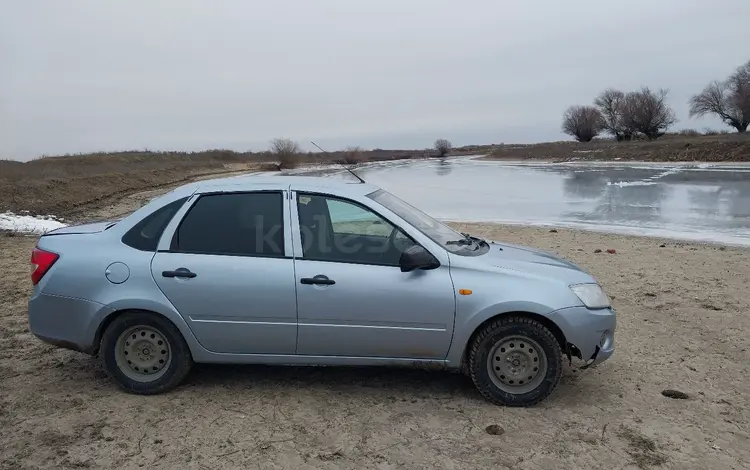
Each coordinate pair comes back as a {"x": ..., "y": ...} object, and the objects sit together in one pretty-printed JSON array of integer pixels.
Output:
[{"x": 314, "y": 271}]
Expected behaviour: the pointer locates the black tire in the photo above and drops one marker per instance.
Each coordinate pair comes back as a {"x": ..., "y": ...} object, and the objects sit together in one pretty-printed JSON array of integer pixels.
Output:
[
  {"x": 485, "y": 342},
  {"x": 178, "y": 367}
]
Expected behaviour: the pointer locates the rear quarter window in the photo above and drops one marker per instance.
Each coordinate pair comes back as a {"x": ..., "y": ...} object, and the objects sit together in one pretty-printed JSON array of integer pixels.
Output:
[{"x": 145, "y": 234}]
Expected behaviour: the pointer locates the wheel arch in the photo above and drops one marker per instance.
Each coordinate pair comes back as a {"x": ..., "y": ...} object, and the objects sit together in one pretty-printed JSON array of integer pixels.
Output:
[
  {"x": 121, "y": 307},
  {"x": 545, "y": 321}
]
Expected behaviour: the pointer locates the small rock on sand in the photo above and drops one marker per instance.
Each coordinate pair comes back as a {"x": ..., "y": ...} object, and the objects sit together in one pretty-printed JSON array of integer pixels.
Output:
[
  {"x": 597, "y": 250},
  {"x": 676, "y": 394},
  {"x": 495, "y": 430}
]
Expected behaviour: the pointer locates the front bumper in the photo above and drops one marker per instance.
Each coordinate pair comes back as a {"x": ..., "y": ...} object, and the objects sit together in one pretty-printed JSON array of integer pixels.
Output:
[
  {"x": 591, "y": 332},
  {"x": 66, "y": 322}
]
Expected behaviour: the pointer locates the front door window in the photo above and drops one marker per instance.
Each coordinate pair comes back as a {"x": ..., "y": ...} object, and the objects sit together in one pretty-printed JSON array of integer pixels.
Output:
[{"x": 338, "y": 230}]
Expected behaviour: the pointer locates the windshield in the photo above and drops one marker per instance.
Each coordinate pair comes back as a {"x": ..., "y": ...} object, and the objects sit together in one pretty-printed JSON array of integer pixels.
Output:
[{"x": 450, "y": 239}]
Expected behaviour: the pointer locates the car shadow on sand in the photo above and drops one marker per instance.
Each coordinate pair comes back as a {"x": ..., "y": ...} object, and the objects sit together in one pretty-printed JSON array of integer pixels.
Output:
[
  {"x": 402, "y": 383},
  {"x": 402, "y": 380}
]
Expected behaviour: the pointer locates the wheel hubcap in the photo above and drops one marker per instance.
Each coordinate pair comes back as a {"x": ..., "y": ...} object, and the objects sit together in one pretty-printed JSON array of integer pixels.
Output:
[
  {"x": 517, "y": 364},
  {"x": 143, "y": 353}
]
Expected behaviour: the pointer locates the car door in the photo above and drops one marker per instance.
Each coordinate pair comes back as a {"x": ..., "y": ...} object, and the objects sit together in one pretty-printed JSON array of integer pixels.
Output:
[
  {"x": 352, "y": 298},
  {"x": 228, "y": 270}
]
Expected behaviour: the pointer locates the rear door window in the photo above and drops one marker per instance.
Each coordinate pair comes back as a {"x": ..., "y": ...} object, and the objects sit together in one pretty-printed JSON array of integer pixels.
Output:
[{"x": 244, "y": 224}]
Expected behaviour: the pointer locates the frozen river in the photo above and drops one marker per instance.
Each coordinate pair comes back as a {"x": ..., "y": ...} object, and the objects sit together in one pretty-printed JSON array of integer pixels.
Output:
[{"x": 692, "y": 202}]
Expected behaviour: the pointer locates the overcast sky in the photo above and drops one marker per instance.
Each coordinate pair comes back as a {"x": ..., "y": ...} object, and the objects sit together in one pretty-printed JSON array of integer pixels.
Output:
[{"x": 87, "y": 75}]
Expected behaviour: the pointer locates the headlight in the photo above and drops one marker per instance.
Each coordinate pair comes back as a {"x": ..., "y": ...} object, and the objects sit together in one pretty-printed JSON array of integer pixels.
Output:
[{"x": 591, "y": 295}]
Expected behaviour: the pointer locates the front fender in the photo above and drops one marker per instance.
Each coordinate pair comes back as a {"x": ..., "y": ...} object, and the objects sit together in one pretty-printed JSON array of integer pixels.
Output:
[
  {"x": 498, "y": 292},
  {"x": 467, "y": 323}
]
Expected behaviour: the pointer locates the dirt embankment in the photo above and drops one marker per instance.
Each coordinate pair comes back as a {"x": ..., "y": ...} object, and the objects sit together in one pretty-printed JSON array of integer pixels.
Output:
[
  {"x": 69, "y": 186},
  {"x": 672, "y": 148}
]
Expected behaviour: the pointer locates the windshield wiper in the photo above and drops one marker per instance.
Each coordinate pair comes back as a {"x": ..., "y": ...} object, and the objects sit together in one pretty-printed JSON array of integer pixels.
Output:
[
  {"x": 461, "y": 242},
  {"x": 479, "y": 241},
  {"x": 467, "y": 241}
]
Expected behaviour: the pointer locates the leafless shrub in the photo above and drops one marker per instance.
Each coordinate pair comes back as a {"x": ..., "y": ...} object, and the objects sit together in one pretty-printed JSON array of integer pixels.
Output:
[
  {"x": 709, "y": 131},
  {"x": 286, "y": 152},
  {"x": 352, "y": 155},
  {"x": 647, "y": 112},
  {"x": 443, "y": 146},
  {"x": 689, "y": 133},
  {"x": 728, "y": 99},
  {"x": 583, "y": 122}
]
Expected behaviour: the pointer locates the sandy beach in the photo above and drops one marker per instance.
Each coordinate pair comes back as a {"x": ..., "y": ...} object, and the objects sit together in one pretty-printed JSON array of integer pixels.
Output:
[{"x": 682, "y": 325}]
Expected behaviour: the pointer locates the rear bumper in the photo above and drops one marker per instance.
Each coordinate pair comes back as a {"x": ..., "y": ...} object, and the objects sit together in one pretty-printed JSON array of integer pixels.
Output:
[
  {"x": 66, "y": 322},
  {"x": 592, "y": 332}
]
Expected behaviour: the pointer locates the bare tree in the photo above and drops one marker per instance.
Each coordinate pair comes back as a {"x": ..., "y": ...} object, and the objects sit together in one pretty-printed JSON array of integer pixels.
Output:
[
  {"x": 739, "y": 85},
  {"x": 352, "y": 155},
  {"x": 611, "y": 104},
  {"x": 647, "y": 112},
  {"x": 729, "y": 100},
  {"x": 583, "y": 122},
  {"x": 443, "y": 146},
  {"x": 286, "y": 151}
]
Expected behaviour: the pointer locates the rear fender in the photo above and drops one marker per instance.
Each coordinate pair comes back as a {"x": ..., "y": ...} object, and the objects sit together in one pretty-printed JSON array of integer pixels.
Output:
[{"x": 110, "y": 311}]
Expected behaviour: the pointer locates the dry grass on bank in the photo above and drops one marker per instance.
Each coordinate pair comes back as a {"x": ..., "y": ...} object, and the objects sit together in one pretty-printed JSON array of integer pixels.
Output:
[
  {"x": 670, "y": 148},
  {"x": 68, "y": 185}
]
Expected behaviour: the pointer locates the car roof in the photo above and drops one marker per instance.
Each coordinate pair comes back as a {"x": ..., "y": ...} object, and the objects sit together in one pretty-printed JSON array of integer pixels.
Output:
[{"x": 269, "y": 181}]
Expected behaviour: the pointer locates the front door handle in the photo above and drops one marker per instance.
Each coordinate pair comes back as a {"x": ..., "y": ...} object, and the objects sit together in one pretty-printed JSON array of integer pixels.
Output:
[
  {"x": 179, "y": 272},
  {"x": 319, "y": 280}
]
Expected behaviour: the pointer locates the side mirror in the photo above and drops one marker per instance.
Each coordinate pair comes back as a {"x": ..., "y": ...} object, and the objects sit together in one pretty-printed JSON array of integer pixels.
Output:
[{"x": 416, "y": 257}]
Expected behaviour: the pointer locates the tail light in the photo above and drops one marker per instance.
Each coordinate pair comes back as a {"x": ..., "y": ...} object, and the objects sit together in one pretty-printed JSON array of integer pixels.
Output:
[{"x": 41, "y": 261}]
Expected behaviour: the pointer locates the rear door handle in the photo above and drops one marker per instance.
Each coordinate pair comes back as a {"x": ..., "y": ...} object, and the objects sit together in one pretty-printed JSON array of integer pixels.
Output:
[
  {"x": 319, "y": 280},
  {"x": 179, "y": 272}
]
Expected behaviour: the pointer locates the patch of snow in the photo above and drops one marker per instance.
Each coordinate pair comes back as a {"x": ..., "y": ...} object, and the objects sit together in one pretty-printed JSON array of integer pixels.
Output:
[
  {"x": 648, "y": 181},
  {"x": 28, "y": 223},
  {"x": 587, "y": 151},
  {"x": 622, "y": 184},
  {"x": 670, "y": 171}
]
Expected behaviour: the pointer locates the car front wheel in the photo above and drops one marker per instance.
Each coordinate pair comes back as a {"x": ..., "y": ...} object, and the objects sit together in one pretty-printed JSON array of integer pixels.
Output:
[
  {"x": 144, "y": 353},
  {"x": 515, "y": 361}
]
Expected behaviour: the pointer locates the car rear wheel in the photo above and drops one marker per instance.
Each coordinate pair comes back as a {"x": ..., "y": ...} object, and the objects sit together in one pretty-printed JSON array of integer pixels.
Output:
[
  {"x": 144, "y": 353},
  {"x": 515, "y": 361}
]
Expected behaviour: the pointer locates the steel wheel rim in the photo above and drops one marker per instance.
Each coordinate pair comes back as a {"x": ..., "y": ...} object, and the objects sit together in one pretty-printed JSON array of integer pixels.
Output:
[
  {"x": 143, "y": 353},
  {"x": 517, "y": 364}
]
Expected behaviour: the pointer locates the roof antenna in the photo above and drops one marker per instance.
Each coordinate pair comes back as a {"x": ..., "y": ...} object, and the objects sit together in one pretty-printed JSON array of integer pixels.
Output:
[{"x": 345, "y": 167}]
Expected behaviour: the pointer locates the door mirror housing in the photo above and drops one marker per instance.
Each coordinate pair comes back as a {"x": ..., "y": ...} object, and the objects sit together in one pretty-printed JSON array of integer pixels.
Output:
[{"x": 416, "y": 257}]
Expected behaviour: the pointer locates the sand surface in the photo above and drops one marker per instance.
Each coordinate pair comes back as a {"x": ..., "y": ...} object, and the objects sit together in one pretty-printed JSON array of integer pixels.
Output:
[{"x": 682, "y": 324}]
